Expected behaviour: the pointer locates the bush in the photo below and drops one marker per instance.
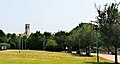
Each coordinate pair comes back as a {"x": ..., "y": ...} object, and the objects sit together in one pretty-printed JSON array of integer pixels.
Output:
[
  {"x": 59, "y": 48},
  {"x": 51, "y": 45},
  {"x": 12, "y": 45},
  {"x": 5, "y": 44}
]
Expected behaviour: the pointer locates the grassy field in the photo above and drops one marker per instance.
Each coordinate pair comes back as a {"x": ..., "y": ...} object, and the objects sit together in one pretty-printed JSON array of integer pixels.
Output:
[{"x": 43, "y": 57}]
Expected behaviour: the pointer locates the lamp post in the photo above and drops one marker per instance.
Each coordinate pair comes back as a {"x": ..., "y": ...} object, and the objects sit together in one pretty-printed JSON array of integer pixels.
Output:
[
  {"x": 19, "y": 41},
  {"x": 43, "y": 45},
  {"x": 25, "y": 44},
  {"x": 96, "y": 28},
  {"x": 22, "y": 42}
]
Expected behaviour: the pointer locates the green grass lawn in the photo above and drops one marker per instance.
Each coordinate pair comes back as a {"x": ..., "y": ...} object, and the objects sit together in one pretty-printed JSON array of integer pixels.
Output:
[{"x": 43, "y": 57}]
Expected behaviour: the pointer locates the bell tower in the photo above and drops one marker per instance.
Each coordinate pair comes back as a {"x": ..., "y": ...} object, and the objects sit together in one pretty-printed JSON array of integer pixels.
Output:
[{"x": 27, "y": 29}]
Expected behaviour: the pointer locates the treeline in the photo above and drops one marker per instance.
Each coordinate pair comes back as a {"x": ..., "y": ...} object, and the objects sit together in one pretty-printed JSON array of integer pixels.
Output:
[
  {"x": 82, "y": 36},
  {"x": 9, "y": 40}
]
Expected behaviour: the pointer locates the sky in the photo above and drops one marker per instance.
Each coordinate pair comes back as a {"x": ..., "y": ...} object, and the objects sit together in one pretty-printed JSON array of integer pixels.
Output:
[{"x": 46, "y": 15}]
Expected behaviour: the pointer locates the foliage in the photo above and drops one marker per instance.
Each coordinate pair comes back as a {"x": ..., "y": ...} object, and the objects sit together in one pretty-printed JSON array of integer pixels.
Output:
[
  {"x": 51, "y": 45},
  {"x": 87, "y": 37},
  {"x": 108, "y": 20},
  {"x": 83, "y": 36},
  {"x": 2, "y": 34},
  {"x": 2, "y": 37},
  {"x": 5, "y": 44},
  {"x": 60, "y": 38},
  {"x": 47, "y": 35},
  {"x": 35, "y": 41},
  {"x": 13, "y": 40}
]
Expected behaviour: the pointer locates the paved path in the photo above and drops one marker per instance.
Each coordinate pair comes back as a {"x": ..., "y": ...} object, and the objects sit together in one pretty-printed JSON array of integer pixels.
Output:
[{"x": 108, "y": 56}]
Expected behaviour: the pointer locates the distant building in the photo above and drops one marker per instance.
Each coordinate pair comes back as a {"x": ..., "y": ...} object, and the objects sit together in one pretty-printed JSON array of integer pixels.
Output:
[{"x": 27, "y": 30}]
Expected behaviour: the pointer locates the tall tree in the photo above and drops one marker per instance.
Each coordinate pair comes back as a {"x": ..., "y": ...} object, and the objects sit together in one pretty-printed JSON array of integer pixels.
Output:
[
  {"x": 2, "y": 37},
  {"x": 13, "y": 41},
  {"x": 87, "y": 36},
  {"x": 108, "y": 20},
  {"x": 60, "y": 38},
  {"x": 46, "y": 37},
  {"x": 35, "y": 41},
  {"x": 82, "y": 36}
]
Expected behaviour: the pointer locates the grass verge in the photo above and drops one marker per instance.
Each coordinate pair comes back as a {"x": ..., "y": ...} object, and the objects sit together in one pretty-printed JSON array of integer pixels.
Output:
[{"x": 44, "y": 57}]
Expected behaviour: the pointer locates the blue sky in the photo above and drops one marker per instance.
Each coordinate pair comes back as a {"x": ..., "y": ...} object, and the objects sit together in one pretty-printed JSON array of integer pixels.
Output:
[{"x": 46, "y": 15}]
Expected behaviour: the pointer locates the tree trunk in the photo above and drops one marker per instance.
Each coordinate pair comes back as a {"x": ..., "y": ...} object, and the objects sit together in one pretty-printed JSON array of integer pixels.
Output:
[
  {"x": 78, "y": 50},
  {"x": 108, "y": 49},
  {"x": 88, "y": 51},
  {"x": 116, "y": 62},
  {"x": 70, "y": 49}
]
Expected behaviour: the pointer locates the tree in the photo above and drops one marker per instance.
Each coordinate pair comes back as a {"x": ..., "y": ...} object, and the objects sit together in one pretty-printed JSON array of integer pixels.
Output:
[
  {"x": 87, "y": 36},
  {"x": 70, "y": 42},
  {"x": 47, "y": 35},
  {"x": 2, "y": 34},
  {"x": 60, "y": 38},
  {"x": 51, "y": 45},
  {"x": 13, "y": 41},
  {"x": 4, "y": 44},
  {"x": 2, "y": 37},
  {"x": 82, "y": 36},
  {"x": 108, "y": 20},
  {"x": 35, "y": 41}
]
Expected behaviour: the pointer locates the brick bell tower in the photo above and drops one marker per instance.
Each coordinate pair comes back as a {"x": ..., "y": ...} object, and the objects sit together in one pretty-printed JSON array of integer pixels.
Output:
[{"x": 27, "y": 29}]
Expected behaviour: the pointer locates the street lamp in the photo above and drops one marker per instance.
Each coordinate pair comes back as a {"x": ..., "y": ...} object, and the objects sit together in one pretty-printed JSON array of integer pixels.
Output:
[
  {"x": 19, "y": 41},
  {"x": 22, "y": 42},
  {"x": 25, "y": 44},
  {"x": 96, "y": 28}
]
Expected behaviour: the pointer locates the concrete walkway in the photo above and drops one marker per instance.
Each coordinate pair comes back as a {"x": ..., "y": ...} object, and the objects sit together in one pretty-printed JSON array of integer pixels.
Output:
[{"x": 108, "y": 56}]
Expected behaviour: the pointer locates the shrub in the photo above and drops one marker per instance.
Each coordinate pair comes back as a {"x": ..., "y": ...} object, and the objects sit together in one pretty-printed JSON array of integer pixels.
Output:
[{"x": 5, "y": 44}]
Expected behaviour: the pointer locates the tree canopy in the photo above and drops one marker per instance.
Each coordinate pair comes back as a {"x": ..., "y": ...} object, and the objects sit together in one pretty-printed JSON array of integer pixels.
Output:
[{"x": 108, "y": 20}]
